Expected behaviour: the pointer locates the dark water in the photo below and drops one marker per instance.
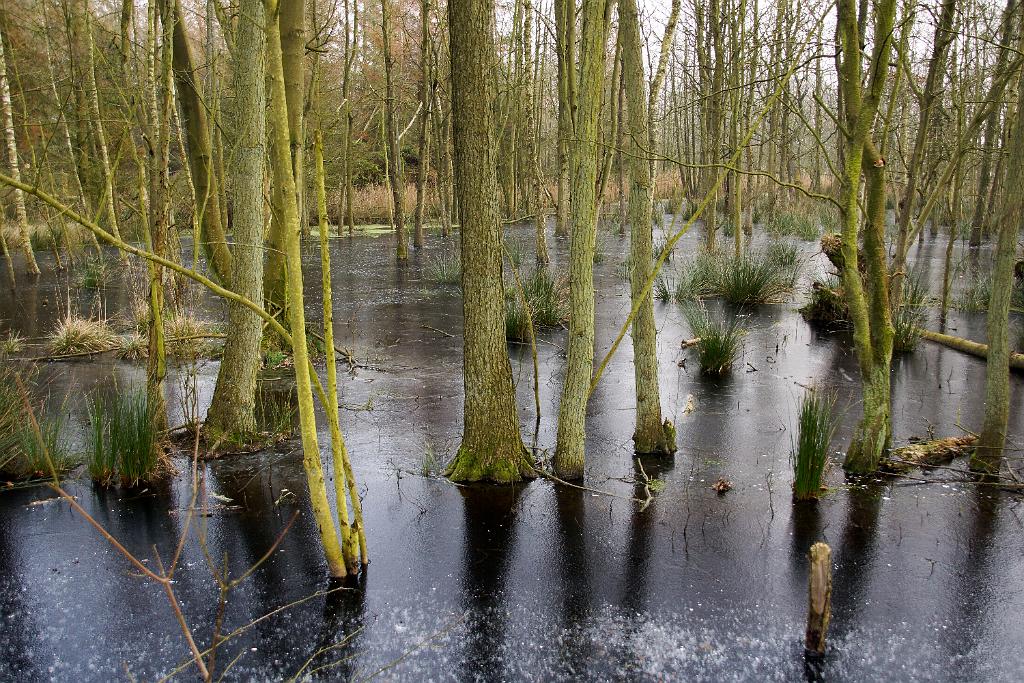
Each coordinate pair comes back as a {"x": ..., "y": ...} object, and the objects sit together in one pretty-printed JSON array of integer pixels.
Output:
[{"x": 536, "y": 581}]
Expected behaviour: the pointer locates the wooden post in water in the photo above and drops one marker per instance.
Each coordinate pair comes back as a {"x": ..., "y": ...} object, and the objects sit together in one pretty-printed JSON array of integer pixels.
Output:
[{"x": 819, "y": 602}]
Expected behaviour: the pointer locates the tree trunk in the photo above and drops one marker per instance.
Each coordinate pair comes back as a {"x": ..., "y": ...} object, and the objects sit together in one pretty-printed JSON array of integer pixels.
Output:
[
  {"x": 424, "y": 144},
  {"x": 570, "y": 445},
  {"x": 281, "y": 164},
  {"x": 988, "y": 456},
  {"x": 31, "y": 267},
  {"x": 932, "y": 86},
  {"x": 492, "y": 447},
  {"x": 530, "y": 139},
  {"x": 565, "y": 48},
  {"x": 868, "y": 299},
  {"x": 293, "y": 56},
  {"x": 652, "y": 435},
  {"x": 200, "y": 151},
  {"x": 394, "y": 159},
  {"x": 232, "y": 411},
  {"x": 159, "y": 86}
]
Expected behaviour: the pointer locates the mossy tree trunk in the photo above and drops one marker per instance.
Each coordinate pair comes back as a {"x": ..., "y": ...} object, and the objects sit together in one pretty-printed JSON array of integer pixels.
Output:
[
  {"x": 570, "y": 445},
  {"x": 293, "y": 56},
  {"x": 652, "y": 435},
  {"x": 867, "y": 297},
  {"x": 352, "y": 540},
  {"x": 281, "y": 164},
  {"x": 492, "y": 447},
  {"x": 988, "y": 455},
  {"x": 232, "y": 411},
  {"x": 200, "y": 151},
  {"x": 12, "y": 161}
]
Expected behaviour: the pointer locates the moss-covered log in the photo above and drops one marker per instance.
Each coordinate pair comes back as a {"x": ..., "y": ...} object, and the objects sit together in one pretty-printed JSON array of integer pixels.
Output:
[
  {"x": 970, "y": 347},
  {"x": 927, "y": 453}
]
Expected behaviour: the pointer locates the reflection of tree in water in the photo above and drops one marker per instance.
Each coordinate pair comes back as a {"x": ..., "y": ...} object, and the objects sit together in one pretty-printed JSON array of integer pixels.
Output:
[
  {"x": 855, "y": 557},
  {"x": 18, "y": 639},
  {"x": 336, "y": 654},
  {"x": 976, "y": 578},
  {"x": 576, "y": 580},
  {"x": 246, "y": 536},
  {"x": 488, "y": 526},
  {"x": 636, "y": 575}
]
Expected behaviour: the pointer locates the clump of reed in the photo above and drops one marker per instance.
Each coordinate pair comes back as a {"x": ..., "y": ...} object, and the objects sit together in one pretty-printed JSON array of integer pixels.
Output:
[
  {"x": 78, "y": 335},
  {"x": 814, "y": 436},
  {"x": 11, "y": 344},
  {"x": 910, "y": 316},
  {"x": 189, "y": 336},
  {"x": 698, "y": 277},
  {"x": 794, "y": 223},
  {"x": 826, "y": 303},
  {"x": 445, "y": 268},
  {"x": 24, "y": 452},
  {"x": 93, "y": 273},
  {"x": 757, "y": 276},
  {"x": 548, "y": 301},
  {"x": 123, "y": 443},
  {"x": 718, "y": 340}
]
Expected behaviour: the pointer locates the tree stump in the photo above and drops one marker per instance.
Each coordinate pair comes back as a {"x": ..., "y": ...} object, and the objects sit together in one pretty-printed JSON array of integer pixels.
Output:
[{"x": 819, "y": 598}]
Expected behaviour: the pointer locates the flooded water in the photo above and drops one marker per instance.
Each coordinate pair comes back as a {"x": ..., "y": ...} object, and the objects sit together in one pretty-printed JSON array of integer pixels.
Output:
[{"x": 536, "y": 581}]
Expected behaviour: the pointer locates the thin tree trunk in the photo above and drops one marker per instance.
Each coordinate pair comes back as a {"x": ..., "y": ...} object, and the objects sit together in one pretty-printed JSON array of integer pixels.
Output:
[
  {"x": 988, "y": 455},
  {"x": 200, "y": 151},
  {"x": 652, "y": 434},
  {"x": 565, "y": 48},
  {"x": 424, "y": 143},
  {"x": 281, "y": 164},
  {"x": 31, "y": 267},
  {"x": 394, "y": 159},
  {"x": 570, "y": 446}
]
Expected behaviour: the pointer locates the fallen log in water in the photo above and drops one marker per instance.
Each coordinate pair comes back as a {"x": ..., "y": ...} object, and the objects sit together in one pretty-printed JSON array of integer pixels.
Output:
[
  {"x": 925, "y": 453},
  {"x": 970, "y": 347}
]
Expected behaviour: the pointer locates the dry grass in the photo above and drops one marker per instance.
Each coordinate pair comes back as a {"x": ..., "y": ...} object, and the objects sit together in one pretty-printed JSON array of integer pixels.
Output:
[
  {"x": 372, "y": 204},
  {"x": 76, "y": 335}
]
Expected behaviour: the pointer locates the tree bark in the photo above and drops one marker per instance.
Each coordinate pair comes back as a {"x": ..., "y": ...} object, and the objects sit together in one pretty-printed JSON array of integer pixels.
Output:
[
  {"x": 652, "y": 434},
  {"x": 31, "y": 267},
  {"x": 988, "y": 455},
  {"x": 232, "y": 411},
  {"x": 492, "y": 447},
  {"x": 200, "y": 151},
  {"x": 570, "y": 445}
]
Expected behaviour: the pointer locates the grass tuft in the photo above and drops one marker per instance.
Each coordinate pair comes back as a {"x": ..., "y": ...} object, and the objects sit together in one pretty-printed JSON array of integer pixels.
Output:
[
  {"x": 758, "y": 276},
  {"x": 719, "y": 340},
  {"x": 22, "y": 456},
  {"x": 445, "y": 269},
  {"x": 910, "y": 316},
  {"x": 810, "y": 452},
  {"x": 548, "y": 299},
  {"x": 75, "y": 335},
  {"x": 11, "y": 344},
  {"x": 123, "y": 443}
]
